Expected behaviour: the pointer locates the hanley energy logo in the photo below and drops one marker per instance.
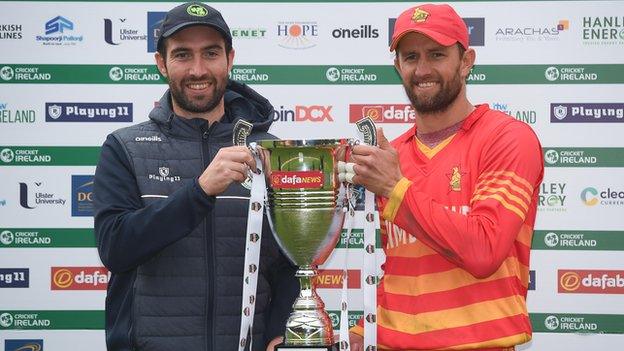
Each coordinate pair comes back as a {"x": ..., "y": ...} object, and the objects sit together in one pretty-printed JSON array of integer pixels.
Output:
[
  {"x": 297, "y": 35},
  {"x": 55, "y": 32},
  {"x": 382, "y": 113},
  {"x": 552, "y": 197},
  {"x": 79, "y": 278},
  {"x": 603, "y": 30},
  {"x": 14, "y": 277},
  {"x": 23, "y": 345},
  {"x": 590, "y": 281},
  {"x": 586, "y": 112},
  {"x": 591, "y": 196}
]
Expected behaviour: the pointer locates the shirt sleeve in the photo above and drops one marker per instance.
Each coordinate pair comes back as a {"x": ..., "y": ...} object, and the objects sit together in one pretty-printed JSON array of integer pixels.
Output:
[
  {"x": 127, "y": 232},
  {"x": 504, "y": 195}
]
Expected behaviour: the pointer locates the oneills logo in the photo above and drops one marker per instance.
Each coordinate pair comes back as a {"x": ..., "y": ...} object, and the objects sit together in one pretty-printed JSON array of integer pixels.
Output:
[
  {"x": 297, "y": 180},
  {"x": 419, "y": 15}
]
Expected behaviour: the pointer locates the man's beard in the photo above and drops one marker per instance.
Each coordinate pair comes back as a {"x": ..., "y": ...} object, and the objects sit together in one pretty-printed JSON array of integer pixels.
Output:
[
  {"x": 198, "y": 105},
  {"x": 440, "y": 101}
]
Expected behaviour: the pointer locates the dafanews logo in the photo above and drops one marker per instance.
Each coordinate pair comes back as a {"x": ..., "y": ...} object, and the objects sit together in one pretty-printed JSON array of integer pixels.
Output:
[
  {"x": 23, "y": 238},
  {"x": 607, "y": 30},
  {"x": 14, "y": 277},
  {"x": 88, "y": 112},
  {"x": 523, "y": 115},
  {"x": 332, "y": 279},
  {"x": 382, "y": 113},
  {"x": 531, "y": 33},
  {"x": 552, "y": 197},
  {"x": 568, "y": 240},
  {"x": 590, "y": 281},
  {"x": 82, "y": 195},
  {"x": 33, "y": 195},
  {"x": 297, "y": 180},
  {"x": 23, "y": 345},
  {"x": 586, "y": 113},
  {"x": 15, "y": 116},
  {"x": 79, "y": 278},
  {"x": 57, "y": 32},
  {"x": 591, "y": 196},
  {"x": 349, "y": 75},
  {"x": 475, "y": 25},
  {"x": 300, "y": 113},
  {"x": 132, "y": 74},
  {"x": 248, "y": 75},
  {"x": 10, "y": 31},
  {"x": 120, "y": 31},
  {"x": 19, "y": 74},
  {"x": 297, "y": 35},
  {"x": 569, "y": 74},
  {"x": 9, "y": 320}
]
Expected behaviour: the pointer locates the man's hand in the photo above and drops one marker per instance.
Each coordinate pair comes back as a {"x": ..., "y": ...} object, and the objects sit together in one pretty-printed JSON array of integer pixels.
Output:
[
  {"x": 377, "y": 168},
  {"x": 274, "y": 342},
  {"x": 356, "y": 342},
  {"x": 229, "y": 165}
]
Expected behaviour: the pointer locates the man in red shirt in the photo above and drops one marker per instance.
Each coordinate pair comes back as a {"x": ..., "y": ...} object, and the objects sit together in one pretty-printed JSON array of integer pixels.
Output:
[{"x": 457, "y": 195}]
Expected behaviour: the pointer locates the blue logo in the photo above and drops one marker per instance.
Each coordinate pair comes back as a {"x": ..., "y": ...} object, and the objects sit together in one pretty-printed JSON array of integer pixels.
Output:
[
  {"x": 58, "y": 24},
  {"x": 154, "y": 19},
  {"x": 475, "y": 25},
  {"x": 531, "y": 280},
  {"x": 88, "y": 112},
  {"x": 23, "y": 345},
  {"x": 14, "y": 277},
  {"x": 82, "y": 195}
]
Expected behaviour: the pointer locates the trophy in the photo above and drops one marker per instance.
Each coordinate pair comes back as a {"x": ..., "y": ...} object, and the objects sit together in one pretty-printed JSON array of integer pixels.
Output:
[{"x": 306, "y": 205}]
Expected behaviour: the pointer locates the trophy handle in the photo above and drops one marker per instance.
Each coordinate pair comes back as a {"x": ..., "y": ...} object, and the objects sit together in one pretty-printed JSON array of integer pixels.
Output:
[
  {"x": 367, "y": 127},
  {"x": 240, "y": 132}
]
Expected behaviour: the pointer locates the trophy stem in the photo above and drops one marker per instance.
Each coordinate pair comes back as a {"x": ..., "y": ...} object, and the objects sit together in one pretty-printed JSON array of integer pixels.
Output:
[{"x": 308, "y": 324}]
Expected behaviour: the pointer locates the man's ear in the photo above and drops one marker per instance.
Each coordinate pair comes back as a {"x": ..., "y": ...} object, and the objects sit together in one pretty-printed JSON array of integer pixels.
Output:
[
  {"x": 467, "y": 62},
  {"x": 231, "y": 59},
  {"x": 160, "y": 63}
]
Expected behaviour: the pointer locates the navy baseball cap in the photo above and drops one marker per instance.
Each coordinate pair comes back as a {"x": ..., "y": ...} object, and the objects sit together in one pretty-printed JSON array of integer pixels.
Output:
[{"x": 193, "y": 14}]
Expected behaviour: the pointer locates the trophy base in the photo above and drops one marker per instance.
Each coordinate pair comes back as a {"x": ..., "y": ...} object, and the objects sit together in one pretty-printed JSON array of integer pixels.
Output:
[{"x": 334, "y": 347}]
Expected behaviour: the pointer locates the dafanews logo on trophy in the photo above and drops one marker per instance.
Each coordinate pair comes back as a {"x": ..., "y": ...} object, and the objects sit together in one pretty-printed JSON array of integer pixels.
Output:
[
  {"x": 14, "y": 277},
  {"x": 23, "y": 345},
  {"x": 88, "y": 111},
  {"x": 57, "y": 32},
  {"x": 79, "y": 278},
  {"x": 82, "y": 195},
  {"x": 590, "y": 281},
  {"x": 15, "y": 116},
  {"x": 382, "y": 113},
  {"x": 297, "y": 179},
  {"x": 586, "y": 112},
  {"x": 332, "y": 279},
  {"x": 300, "y": 113},
  {"x": 297, "y": 35}
]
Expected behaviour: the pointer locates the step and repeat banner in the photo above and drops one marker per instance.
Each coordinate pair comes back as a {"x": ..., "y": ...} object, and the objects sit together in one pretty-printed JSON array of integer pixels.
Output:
[{"x": 73, "y": 71}]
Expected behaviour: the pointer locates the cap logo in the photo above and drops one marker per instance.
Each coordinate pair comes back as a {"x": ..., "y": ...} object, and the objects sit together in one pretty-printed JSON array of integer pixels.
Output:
[
  {"x": 419, "y": 15},
  {"x": 197, "y": 10}
]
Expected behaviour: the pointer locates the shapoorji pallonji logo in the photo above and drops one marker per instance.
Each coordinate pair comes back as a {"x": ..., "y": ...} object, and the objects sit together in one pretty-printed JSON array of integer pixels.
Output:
[
  {"x": 79, "y": 278},
  {"x": 590, "y": 281},
  {"x": 297, "y": 179},
  {"x": 58, "y": 31}
]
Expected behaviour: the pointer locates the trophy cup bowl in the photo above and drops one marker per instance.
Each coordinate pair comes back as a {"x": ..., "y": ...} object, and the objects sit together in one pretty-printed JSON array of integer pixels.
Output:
[{"x": 306, "y": 209}]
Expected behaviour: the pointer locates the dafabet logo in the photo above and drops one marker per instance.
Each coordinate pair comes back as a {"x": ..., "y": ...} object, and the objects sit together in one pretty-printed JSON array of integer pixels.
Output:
[
  {"x": 332, "y": 279},
  {"x": 79, "y": 278},
  {"x": 590, "y": 281}
]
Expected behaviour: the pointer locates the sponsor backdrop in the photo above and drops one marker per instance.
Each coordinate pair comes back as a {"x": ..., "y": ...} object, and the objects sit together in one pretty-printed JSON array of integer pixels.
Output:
[{"x": 71, "y": 72}]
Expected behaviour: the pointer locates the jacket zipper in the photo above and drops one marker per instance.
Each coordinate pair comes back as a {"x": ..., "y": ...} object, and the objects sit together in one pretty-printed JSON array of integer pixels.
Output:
[{"x": 210, "y": 264}]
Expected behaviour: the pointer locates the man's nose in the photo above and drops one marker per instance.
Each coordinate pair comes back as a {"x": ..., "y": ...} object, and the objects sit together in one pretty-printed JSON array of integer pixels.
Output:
[
  {"x": 423, "y": 68},
  {"x": 198, "y": 66}
]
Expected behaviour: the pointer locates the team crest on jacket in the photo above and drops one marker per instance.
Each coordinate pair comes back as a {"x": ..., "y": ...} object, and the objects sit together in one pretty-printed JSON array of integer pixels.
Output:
[{"x": 455, "y": 178}]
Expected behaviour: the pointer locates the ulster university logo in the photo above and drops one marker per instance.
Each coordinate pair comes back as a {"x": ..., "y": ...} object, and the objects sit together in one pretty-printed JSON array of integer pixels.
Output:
[
  {"x": 455, "y": 179},
  {"x": 419, "y": 15}
]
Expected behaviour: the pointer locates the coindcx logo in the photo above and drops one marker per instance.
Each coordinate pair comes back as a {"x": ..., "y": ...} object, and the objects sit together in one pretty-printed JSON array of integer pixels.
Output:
[
  {"x": 586, "y": 113},
  {"x": 300, "y": 113},
  {"x": 23, "y": 345},
  {"x": 88, "y": 112}
]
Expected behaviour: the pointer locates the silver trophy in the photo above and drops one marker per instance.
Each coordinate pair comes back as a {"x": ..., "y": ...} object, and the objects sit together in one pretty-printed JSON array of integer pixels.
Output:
[{"x": 306, "y": 206}]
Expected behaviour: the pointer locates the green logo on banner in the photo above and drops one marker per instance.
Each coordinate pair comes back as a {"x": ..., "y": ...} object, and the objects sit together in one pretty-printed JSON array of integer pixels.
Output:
[
  {"x": 354, "y": 317},
  {"x": 39, "y": 237},
  {"x": 356, "y": 241},
  {"x": 577, "y": 323},
  {"x": 578, "y": 240},
  {"x": 584, "y": 157},
  {"x": 67, "y": 320},
  {"x": 49, "y": 155}
]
